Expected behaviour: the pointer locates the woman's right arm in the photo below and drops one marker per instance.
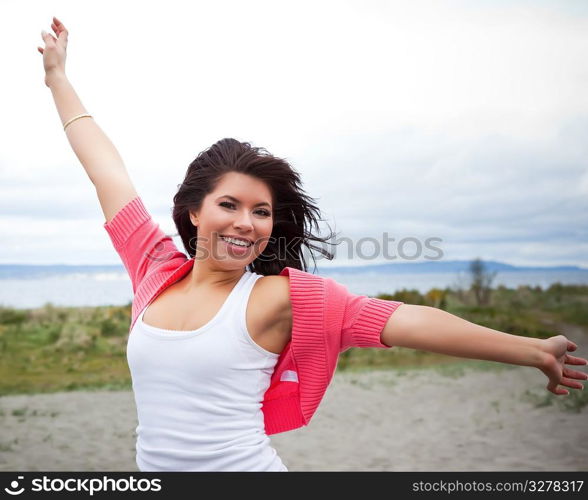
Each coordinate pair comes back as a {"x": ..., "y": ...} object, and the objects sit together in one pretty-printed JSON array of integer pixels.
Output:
[{"x": 97, "y": 154}]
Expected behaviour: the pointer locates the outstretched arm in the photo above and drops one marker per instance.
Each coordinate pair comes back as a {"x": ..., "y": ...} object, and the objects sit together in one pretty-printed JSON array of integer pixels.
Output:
[
  {"x": 93, "y": 148},
  {"x": 430, "y": 329}
]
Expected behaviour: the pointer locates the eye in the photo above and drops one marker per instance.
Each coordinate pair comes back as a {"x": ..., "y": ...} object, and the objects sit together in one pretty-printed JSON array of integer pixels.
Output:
[{"x": 263, "y": 212}]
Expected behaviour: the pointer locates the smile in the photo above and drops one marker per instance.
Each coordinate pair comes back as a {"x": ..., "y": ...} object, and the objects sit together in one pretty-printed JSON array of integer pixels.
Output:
[{"x": 234, "y": 241}]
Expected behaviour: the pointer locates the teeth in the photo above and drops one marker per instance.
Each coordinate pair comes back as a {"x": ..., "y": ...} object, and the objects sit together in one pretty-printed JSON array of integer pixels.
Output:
[{"x": 236, "y": 242}]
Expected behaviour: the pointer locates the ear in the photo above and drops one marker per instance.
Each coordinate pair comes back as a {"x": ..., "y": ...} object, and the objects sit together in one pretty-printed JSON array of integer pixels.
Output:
[{"x": 194, "y": 219}]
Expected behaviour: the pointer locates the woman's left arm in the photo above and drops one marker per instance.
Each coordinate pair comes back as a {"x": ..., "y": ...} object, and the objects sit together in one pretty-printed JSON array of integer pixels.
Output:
[{"x": 431, "y": 329}]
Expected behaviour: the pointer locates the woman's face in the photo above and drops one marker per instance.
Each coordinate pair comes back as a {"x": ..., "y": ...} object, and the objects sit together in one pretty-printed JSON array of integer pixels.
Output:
[{"x": 241, "y": 206}]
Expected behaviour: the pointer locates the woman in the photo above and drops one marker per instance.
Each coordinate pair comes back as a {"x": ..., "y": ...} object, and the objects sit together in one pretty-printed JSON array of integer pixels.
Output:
[{"x": 238, "y": 341}]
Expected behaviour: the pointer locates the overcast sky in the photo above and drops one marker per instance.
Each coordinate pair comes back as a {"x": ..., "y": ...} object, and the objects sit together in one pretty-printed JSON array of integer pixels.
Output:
[{"x": 460, "y": 120}]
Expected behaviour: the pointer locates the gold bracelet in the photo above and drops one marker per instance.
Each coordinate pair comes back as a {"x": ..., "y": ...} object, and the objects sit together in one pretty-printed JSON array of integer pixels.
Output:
[{"x": 76, "y": 118}]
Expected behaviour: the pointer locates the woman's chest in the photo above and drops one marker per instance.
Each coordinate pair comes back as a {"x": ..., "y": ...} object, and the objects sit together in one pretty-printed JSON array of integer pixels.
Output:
[{"x": 268, "y": 313}]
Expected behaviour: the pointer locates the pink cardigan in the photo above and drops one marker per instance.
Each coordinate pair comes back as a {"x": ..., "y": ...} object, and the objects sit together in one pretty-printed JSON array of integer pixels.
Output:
[{"x": 327, "y": 318}]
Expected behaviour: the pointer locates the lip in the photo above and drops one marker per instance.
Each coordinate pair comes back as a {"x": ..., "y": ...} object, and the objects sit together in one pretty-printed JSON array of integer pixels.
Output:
[{"x": 237, "y": 238}]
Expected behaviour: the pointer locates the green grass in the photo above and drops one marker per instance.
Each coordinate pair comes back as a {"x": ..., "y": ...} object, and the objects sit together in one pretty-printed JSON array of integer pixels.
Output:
[
  {"x": 51, "y": 348},
  {"x": 574, "y": 402}
]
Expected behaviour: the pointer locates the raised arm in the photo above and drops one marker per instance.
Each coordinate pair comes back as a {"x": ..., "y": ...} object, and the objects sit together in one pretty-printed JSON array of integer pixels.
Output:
[
  {"x": 430, "y": 329},
  {"x": 93, "y": 148}
]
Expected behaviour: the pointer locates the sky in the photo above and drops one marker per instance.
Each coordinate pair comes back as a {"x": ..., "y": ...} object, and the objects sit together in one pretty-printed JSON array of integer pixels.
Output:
[{"x": 465, "y": 121}]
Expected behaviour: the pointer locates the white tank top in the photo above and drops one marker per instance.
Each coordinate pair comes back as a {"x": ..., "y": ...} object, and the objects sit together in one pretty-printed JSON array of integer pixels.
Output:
[{"x": 199, "y": 393}]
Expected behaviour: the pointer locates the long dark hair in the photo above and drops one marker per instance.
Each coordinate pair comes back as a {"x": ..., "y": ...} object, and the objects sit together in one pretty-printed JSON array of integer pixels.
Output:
[{"x": 294, "y": 212}]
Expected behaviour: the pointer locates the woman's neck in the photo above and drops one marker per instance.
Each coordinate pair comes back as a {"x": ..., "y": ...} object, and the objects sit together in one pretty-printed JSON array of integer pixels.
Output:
[{"x": 203, "y": 276}]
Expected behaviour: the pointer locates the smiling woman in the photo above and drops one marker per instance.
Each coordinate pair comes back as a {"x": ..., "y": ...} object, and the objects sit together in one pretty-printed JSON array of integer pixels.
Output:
[
  {"x": 260, "y": 194},
  {"x": 236, "y": 341}
]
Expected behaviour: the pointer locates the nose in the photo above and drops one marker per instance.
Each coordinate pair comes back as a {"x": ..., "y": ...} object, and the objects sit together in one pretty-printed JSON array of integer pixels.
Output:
[{"x": 243, "y": 222}]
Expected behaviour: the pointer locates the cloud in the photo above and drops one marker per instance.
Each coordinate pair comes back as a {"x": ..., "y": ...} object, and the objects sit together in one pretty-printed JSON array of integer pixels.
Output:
[{"x": 461, "y": 119}]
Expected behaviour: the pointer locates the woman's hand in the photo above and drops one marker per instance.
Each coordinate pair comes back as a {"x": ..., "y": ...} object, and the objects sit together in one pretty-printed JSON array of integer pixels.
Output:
[
  {"x": 54, "y": 52},
  {"x": 553, "y": 366}
]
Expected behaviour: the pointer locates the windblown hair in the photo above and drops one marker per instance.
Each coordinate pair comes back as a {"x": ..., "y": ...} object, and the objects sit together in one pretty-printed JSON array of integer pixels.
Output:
[{"x": 294, "y": 212}]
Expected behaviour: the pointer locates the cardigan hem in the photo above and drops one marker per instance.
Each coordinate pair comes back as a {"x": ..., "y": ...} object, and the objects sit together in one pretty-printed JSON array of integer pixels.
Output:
[
  {"x": 126, "y": 221},
  {"x": 286, "y": 414}
]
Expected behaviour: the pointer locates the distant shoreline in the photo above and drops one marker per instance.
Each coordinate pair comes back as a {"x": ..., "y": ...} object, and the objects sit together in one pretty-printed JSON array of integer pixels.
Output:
[
  {"x": 93, "y": 289},
  {"x": 29, "y": 271}
]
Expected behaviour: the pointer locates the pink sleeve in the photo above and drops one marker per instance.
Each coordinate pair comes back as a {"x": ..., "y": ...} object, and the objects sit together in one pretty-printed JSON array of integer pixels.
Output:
[
  {"x": 139, "y": 241},
  {"x": 364, "y": 319}
]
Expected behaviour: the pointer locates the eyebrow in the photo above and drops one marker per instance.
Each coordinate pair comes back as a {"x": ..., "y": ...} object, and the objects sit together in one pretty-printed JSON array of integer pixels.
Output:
[{"x": 232, "y": 198}]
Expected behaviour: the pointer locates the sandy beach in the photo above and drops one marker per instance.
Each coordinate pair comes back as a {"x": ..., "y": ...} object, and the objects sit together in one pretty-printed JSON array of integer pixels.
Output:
[{"x": 424, "y": 420}]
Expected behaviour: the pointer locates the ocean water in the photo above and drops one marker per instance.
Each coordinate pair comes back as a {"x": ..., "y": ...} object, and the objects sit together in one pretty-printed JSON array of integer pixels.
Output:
[
  {"x": 373, "y": 283},
  {"x": 114, "y": 288}
]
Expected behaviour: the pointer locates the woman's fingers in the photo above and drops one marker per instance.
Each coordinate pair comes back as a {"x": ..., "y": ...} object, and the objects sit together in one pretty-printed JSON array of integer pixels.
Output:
[
  {"x": 568, "y": 382},
  {"x": 575, "y": 374},
  {"x": 554, "y": 386},
  {"x": 556, "y": 390},
  {"x": 573, "y": 360},
  {"x": 47, "y": 36},
  {"x": 59, "y": 27},
  {"x": 558, "y": 373}
]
